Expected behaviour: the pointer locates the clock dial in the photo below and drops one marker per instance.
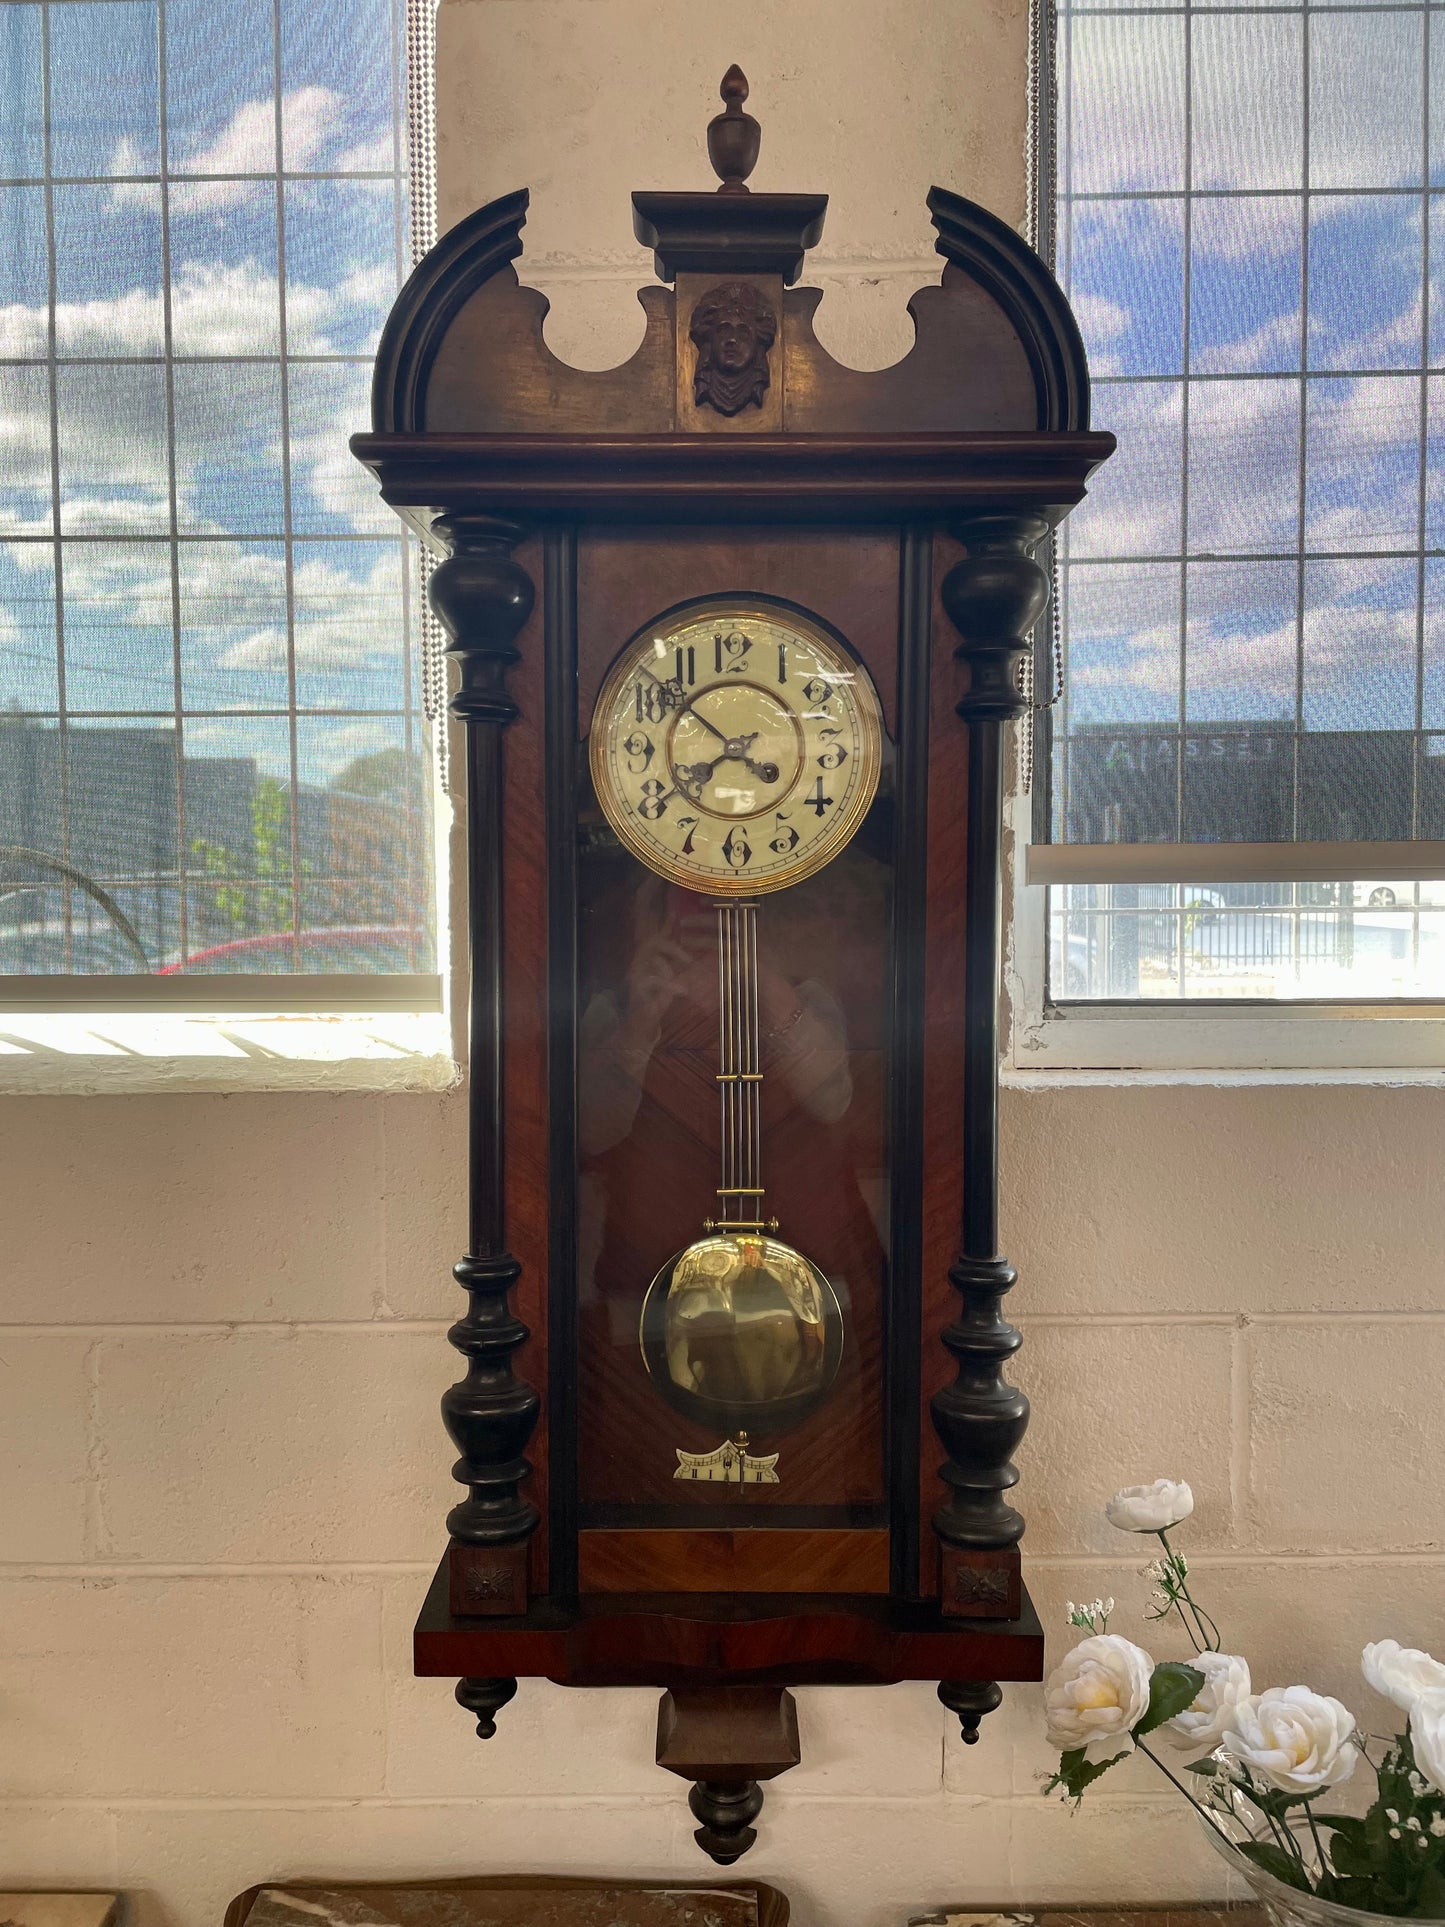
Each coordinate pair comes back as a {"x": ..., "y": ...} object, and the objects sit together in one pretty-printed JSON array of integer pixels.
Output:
[{"x": 735, "y": 748}]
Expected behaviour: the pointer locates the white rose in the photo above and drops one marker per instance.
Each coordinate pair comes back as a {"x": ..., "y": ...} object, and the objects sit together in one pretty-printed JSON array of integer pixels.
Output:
[
  {"x": 1150, "y": 1508},
  {"x": 1400, "y": 1673},
  {"x": 1427, "y": 1734},
  {"x": 1098, "y": 1692},
  {"x": 1204, "y": 1721},
  {"x": 1297, "y": 1740}
]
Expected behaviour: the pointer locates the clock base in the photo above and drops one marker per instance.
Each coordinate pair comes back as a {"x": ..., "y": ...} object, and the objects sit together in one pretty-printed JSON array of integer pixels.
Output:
[
  {"x": 726, "y": 1721},
  {"x": 692, "y": 1642}
]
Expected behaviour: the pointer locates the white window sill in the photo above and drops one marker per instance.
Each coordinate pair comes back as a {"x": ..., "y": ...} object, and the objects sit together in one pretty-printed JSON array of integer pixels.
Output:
[
  {"x": 54, "y": 1054},
  {"x": 1082, "y": 1045},
  {"x": 1224, "y": 1077}
]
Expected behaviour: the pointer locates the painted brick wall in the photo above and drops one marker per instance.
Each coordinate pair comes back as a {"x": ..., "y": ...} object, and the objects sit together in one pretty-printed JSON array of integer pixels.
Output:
[
  {"x": 222, "y": 1340},
  {"x": 219, "y": 1364}
]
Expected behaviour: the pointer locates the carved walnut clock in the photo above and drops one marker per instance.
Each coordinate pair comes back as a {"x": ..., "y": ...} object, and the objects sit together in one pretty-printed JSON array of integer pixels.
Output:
[{"x": 738, "y": 630}]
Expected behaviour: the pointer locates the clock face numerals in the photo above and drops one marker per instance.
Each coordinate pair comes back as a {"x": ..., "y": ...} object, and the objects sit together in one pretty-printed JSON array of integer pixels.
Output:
[{"x": 735, "y": 748}]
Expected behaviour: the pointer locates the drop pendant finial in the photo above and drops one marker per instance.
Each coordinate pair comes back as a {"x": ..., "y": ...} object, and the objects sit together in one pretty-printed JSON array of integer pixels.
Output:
[{"x": 733, "y": 137}]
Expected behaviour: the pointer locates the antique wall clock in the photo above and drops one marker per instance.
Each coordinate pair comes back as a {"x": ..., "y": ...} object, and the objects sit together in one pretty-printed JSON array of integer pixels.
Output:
[{"x": 738, "y": 630}]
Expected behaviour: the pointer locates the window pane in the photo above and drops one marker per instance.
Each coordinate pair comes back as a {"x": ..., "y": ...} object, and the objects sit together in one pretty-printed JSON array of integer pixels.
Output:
[
  {"x": 108, "y": 299},
  {"x": 22, "y": 126},
  {"x": 104, "y": 88},
  {"x": 1248, "y": 127},
  {"x": 112, "y": 433},
  {"x": 1123, "y": 643},
  {"x": 331, "y": 492},
  {"x": 1304, "y": 621},
  {"x": 1127, "y": 284},
  {"x": 1243, "y": 466},
  {"x": 233, "y": 626},
  {"x": 222, "y": 561},
  {"x": 23, "y": 279},
  {"x": 1366, "y": 86},
  {"x": 1362, "y": 459},
  {"x": 225, "y": 298},
  {"x": 1365, "y": 268},
  {"x": 1245, "y": 284},
  {"x": 1134, "y": 502},
  {"x": 25, "y": 420},
  {"x": 1241, "y": 646},
  {"x": 220, "y": 114},
  {"x": 1360, "y": 637},
  {"x": 228, "y": 448},
  {"x": 341, "y": 247},
  {"x": 1128, "y": 86},
  {"x": 28, "y": 661},
  {"x": 1354, "y": 940}
]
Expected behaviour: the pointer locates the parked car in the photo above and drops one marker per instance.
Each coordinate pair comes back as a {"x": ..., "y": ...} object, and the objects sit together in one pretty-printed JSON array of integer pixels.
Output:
[{"x": 354, "y": 950}]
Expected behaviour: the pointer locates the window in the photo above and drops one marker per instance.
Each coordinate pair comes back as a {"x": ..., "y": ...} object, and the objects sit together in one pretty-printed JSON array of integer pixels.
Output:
[
  {"x": 213, "y": 758},
  {"x": 1245, "y": 795}
]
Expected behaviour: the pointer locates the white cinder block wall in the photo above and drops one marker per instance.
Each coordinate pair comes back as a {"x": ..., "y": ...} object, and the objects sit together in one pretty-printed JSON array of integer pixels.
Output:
[{"x": 222, "y": 1347}]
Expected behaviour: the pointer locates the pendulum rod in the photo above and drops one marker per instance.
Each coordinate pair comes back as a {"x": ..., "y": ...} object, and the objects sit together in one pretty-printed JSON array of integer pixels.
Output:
[{"x": 739, "y": 1075}]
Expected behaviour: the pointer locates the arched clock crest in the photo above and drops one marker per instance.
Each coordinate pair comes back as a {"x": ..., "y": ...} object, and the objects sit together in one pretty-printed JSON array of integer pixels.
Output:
[{"x": 737, "y": 631}]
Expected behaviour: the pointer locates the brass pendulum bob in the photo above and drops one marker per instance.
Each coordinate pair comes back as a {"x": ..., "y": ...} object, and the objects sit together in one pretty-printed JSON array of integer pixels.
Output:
[{"x": 738, "y": 1327}]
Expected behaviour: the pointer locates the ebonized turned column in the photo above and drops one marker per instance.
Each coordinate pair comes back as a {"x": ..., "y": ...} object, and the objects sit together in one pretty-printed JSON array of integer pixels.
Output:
[
  {"x": 993, "y": 597},
  {"x": 483, "y": 598}
]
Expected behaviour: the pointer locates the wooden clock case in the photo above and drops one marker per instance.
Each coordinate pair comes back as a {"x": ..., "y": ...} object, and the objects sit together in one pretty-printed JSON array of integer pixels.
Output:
[{"x": 903, "y": 508}]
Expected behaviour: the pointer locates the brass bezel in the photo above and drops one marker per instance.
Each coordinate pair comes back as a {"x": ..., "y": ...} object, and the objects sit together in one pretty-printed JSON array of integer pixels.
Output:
[{"x": 669, "y": 629}]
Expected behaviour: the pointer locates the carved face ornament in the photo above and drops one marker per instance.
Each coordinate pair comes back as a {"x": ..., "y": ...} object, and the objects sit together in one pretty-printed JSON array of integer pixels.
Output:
[{"x": 733, "y": 327}]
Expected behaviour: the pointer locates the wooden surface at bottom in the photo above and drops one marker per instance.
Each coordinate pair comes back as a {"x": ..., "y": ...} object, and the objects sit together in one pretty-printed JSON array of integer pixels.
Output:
[
  {"x": 746, "y": 1560},
  {"x": 1223, "y": 1913},
  {"x": 510, "y": 1900}
]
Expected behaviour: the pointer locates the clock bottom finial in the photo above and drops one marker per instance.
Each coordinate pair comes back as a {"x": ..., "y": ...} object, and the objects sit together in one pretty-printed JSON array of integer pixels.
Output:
[
  {"x": 971, "y": 1699},
  {"x": 726, "y": 1739},
  {"x": 727, "y": 1810}
]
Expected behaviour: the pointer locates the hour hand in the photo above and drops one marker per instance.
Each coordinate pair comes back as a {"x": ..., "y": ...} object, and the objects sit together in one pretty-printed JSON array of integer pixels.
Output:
[{"x": 690, "y": 777}]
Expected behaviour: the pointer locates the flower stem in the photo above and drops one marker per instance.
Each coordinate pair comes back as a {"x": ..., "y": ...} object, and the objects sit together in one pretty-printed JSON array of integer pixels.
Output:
[
  {"x": 1315, "y": 1836},
  {"x": 1203, "y": 1812},
  {"x": 1284, "y": 1839},
  {"x": 1199, "y": 1638}
]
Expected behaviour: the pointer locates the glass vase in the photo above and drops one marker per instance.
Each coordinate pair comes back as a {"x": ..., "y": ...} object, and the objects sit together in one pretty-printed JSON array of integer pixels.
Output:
[{"x": 1288, "y": 1906}]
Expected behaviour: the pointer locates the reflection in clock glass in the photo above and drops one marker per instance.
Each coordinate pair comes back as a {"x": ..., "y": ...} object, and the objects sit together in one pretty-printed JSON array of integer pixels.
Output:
[{"x": 745, "y": 1321}]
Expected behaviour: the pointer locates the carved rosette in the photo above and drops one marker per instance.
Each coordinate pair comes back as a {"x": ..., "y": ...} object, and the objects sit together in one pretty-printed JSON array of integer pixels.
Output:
[
  {"x": 993, "y": 597},
  {"x": 483, "y": 597}
]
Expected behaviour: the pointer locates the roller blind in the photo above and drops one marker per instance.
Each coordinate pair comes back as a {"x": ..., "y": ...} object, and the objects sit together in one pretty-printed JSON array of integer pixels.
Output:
[
  {"x": 212, "y": 754},
  {"x": 1253, "y": 606}
]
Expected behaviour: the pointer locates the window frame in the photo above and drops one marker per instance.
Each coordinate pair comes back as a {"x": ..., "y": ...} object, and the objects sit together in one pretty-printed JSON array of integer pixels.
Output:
[{"x": 1102, "y": 1041}]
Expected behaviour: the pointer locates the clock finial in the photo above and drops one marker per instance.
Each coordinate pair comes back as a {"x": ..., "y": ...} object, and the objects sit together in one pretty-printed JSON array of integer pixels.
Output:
[{"x": 733, "y": 137}]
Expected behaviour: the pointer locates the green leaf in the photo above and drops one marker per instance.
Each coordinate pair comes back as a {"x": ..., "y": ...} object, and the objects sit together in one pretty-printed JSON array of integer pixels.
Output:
[
  {"x": 1276, "y": 1861},
  {"x": 1075, "y": 1772},
  {"x": 1348, "y": 1825},
  {"x": 1430, "y": 1896},
  {"x": 1351, "y": 1855},
  {"x": 1173, "y": 1686},
  {"x": 1208, "y": 1767}
]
